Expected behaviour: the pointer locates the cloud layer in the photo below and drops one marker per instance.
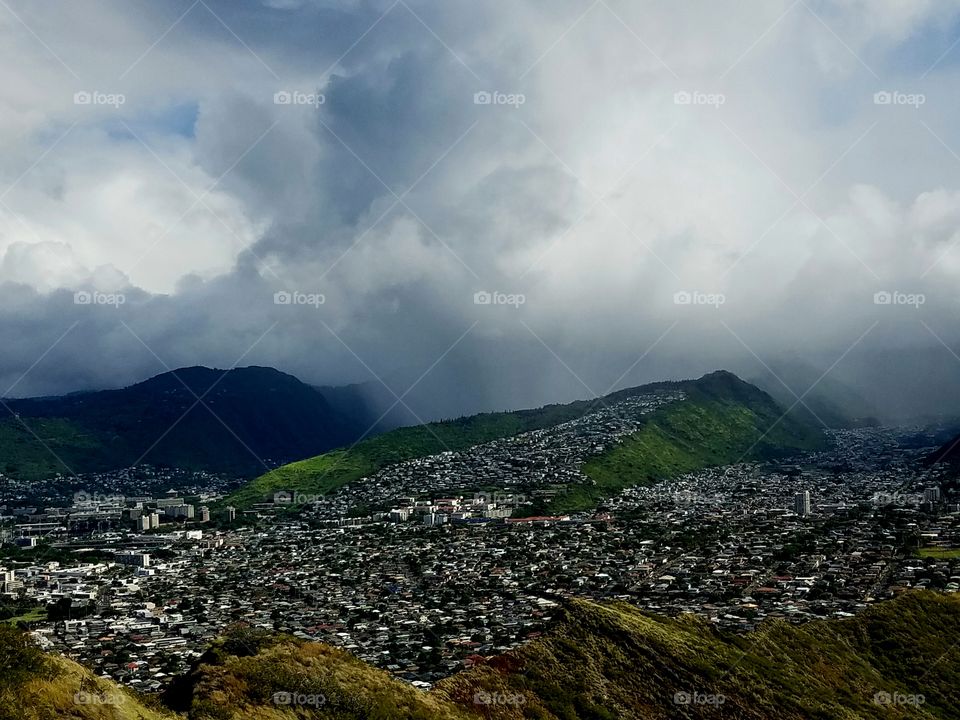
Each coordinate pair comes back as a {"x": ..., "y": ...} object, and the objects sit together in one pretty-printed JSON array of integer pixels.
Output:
[{"x": 670, "y": 188}]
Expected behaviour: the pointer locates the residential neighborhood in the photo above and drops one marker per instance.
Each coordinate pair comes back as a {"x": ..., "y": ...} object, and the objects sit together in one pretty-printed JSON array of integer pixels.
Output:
[{"x": 436, "y": 579}]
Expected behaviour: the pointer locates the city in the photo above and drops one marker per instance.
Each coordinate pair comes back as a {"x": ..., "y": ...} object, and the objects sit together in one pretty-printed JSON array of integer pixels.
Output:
[
  {"x": 430, "y": 360},
  {"x": 437, "y": 581}
]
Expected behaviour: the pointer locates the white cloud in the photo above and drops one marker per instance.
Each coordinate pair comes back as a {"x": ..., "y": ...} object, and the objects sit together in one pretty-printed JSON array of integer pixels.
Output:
[{"x": 794, "y": 196}]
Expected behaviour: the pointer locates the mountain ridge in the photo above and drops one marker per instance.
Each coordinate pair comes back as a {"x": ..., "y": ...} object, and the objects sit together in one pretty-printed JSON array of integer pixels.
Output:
[
  {"x": 239, "y": 420},
  {"x": 715, "y": 394}
]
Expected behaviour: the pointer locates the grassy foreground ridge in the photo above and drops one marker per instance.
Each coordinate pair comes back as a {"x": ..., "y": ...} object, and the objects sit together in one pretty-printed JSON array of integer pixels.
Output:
[
  {"x": 600, "y": 662},
  {"x": 722, "y": 420}
]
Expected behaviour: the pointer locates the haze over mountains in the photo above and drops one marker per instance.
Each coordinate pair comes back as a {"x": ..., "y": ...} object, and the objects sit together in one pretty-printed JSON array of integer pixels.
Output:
[{"x": 251, "y": 419}]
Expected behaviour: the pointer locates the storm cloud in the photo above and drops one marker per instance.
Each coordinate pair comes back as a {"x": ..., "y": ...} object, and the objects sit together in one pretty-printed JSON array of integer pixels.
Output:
[{"x": 513, "y": 203}]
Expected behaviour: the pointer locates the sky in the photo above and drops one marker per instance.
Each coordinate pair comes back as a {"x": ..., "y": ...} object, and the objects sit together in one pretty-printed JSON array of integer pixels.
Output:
[{"x": 482, "y": 205}]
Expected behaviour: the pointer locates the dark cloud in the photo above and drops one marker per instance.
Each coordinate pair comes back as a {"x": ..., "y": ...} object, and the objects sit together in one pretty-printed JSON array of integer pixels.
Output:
[{"x": 628, "y": 159}]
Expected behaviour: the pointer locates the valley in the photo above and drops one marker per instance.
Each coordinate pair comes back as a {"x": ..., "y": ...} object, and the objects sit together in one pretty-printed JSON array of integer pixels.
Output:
[{"x": 677, "y": 499}]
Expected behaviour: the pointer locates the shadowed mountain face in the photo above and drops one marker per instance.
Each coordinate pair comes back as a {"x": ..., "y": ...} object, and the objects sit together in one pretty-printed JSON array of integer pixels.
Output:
[{"x": 239, "y": 421}]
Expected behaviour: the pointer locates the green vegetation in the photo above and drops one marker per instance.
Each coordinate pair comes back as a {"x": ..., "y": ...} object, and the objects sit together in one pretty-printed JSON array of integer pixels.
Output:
[
  {"x": 939, "y": 553},
  {"x": 331, "y": 470},
  {"x": 36, "y": 686},
  {"x": 26, "y": 455},
  {"x": 614, "y": 661},
  {"x": 600, "y": 661},
  {"x": 287, "y": 678},
  {"x": 722, "y": 420},
  {"x": 260, "y": 413},
  {"x": 20, "y": 660},
  {"x": 46, "y": 552},
  {"x": 36, "y": 613}
]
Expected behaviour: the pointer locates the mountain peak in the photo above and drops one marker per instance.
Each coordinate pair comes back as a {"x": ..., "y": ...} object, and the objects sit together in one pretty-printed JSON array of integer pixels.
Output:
[
  {"x": 250, "y": 418},
  {"x": 201, "y": 373}
]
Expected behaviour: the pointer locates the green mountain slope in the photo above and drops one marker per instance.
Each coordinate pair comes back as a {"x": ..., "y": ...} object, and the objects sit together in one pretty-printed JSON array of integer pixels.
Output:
[
  {"x": 331, "y": 470},
  {"x": 600, "y": 662},
  {"x": 614, "y": 661},
  {"x": 246, "y": 415},
  {"x": 41, "y": 447},
  {"x": 722, "y": 420}
]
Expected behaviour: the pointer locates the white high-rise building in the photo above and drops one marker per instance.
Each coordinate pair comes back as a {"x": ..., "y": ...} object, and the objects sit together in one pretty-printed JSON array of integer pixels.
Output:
[
  {"x": 801, "y": 503},
  {"x": 137, "y": 559},
  {"x": 399, "y": 515}
]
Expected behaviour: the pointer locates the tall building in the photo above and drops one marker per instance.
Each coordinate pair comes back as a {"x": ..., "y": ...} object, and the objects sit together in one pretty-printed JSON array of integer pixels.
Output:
[
  {"x": 136, "y": 559},
  {"x": 231, "y": 513},
  {"x": 9, "y": 582},
  {"x": 204, "y": 513},
  {"x": 180, "y": 511},
  {"x": 931, "y": 495},
  {"x": 801, "y": 503}
]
